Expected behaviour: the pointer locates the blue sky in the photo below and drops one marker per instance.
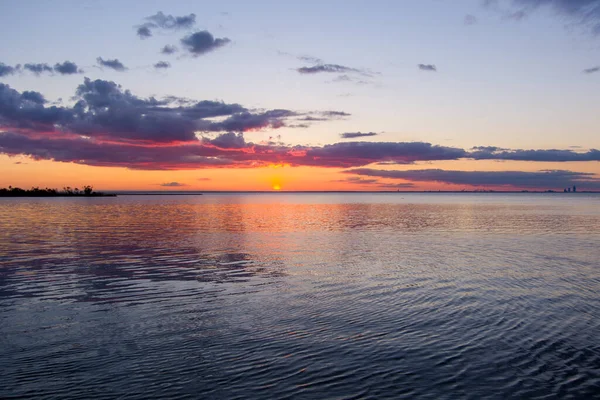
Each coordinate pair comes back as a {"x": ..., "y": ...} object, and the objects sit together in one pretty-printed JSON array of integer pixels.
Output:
[{"x": 500, "y": 80}]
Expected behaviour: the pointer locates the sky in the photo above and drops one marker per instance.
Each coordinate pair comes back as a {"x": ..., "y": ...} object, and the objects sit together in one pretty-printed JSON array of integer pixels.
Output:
[{"x": 295, "y": 96}]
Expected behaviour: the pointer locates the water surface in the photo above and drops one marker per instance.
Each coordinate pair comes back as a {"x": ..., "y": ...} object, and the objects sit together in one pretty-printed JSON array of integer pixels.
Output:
[{"x": 301, "y": 296}]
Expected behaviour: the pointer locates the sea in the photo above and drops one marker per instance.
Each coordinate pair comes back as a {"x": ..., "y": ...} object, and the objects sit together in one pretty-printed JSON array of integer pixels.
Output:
[{"x": 301, "y": 296}]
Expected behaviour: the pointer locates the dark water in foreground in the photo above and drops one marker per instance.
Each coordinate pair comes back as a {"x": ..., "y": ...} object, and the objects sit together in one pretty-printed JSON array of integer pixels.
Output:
[{"x": 301, "y": 296}]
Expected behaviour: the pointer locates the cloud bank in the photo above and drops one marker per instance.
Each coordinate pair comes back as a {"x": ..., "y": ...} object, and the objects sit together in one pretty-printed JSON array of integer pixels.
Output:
[
  {"x": 555, "y": 179},
  {"x": 110, "y": 126}
]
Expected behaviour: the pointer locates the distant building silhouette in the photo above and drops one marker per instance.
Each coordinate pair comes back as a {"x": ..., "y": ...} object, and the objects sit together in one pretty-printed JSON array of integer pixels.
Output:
[
  {"x": 574, "y": 188},
  {"x": 569, "y": 190}
]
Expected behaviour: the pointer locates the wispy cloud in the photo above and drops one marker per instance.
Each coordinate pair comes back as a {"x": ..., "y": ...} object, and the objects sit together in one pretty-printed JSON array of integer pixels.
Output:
[
  {"x": 163, "y": 21},
  {"x": 585, "y": 13},
  {"x": 352, "y": 135},
  {"x": 427, "y": 67},
  {"x": 162, "y": 65},
  {"x": 470, "y": 20},
  {"x": 173, "y": 184},
  {"x": 64, "y": 68},
  {"x": 168, "y": 49},
  {"x": 592, "y": 70},
  {"x": 327, "y": 68},
  {"x": 38, "y": 68},
  {"x": 112, "y": 64}
]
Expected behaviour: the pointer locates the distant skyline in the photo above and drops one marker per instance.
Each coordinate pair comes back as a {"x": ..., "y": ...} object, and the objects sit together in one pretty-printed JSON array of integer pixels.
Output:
[{"x": 353, "y": 95}]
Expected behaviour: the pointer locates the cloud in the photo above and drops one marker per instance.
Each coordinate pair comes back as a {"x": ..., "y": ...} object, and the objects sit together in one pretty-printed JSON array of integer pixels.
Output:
[
  {"x": 168, "y": 49},
  {"x": 113, "y": 64},
  {"x": 549, "y": 179},
  {"x": 173, "y": 184},
  {"x": 229, "y": 140},
  {"x": 516, "y": 16},
  {"x": 246, "y": 121},
  {"x": 427, "y": 67},
  {"x": 406, "y": 185},
  {"x": 162, "y": 65},
  {"x": 552, "y": 155},
  {"x": 470, "y": 19},
  {"x": 164, "y": 22},
  {"x": 587, "y": 71},
  {"x": 327, "y": 68},
  {"x": 38, "y": 68},
  {"x": 67, "y": 68},
  {"x": 107, "y": 125},
  {"x": 6, "y": 70},
  {"x": 160, "y": 20},
  {"x": 34, "y": 97},
  {"x": 352, "y": 135},
  {"x": 357, "y": 180},
  {"x": 105, "y": 112},
  {"x": 202, "y": 42},
  {"x": 204, "y": 179},
  {"x": 310, "y": 59},
  {"x": 582, "y": 12},
  {"x": 64, "y": 68},
  {"x": 144, "y": 32}
]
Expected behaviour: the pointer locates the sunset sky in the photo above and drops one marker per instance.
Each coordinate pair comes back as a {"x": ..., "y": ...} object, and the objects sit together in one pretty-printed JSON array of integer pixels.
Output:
[{"x": 312, "y": 95}]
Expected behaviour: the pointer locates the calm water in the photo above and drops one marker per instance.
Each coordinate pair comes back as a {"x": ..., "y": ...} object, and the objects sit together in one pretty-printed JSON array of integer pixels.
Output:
[{"x": 301, "y": 296}]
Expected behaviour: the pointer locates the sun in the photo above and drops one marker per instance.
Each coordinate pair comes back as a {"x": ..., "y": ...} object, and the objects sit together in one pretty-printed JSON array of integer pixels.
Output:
[{"x": 276, "y": 187}]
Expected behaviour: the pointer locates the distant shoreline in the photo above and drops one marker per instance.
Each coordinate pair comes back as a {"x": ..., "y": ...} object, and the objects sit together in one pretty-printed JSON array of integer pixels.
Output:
[
  {"x": 58, "y": 195},
  {"x": 191, "y": 193}
]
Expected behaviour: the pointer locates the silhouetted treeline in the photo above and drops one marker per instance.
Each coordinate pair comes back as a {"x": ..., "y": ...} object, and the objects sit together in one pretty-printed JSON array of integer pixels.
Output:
[{"x": 47, "y": 192}]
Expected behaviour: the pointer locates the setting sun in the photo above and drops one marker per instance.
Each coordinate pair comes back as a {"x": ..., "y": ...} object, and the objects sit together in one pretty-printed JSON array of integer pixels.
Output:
[{"x": 276, "y": 187}]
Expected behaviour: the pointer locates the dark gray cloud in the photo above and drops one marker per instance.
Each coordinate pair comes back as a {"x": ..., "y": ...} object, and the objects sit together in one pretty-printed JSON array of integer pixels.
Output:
[
  {"x": 113, "y": 64},
  {"x": 163, "y": 21},
  {"x": 6, "y": 70},
  {"x": 27, "y": 111},
  {"x": 173, "y": 184},
  {"x": 38, "y": 68},
  {"x": 162, "y": 65},
  {"x": 334, "y": 114},
  {"x": 64, "y": 68},
  {"x": 587, "y": 71},
  {"x": 144, "y": 32},
  {"x": 550, "y": 179},
  {"x": 327, "y": 68},
  {"x": 67, "y": 68},
  {"x": 470, "y": 19},
  {"x": 168, "y": 49},
  {"x": 104, "y": 110},
  {"x": 552, "y": 155},
  {"x": 202, "y": 42},
  {"x": 247, "y": 121},
  {"x": 364, "y": 153},
  {"x": 352, "y": 135},
  {"x": 396, "y": 186},
  {"x": 229, "y": 140},
  {"x": 35, "y": 97},
  {"x": 427, "y": 67},
  {"x": 356, "y": 180},
  {"x": 582, "y": 12}
]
